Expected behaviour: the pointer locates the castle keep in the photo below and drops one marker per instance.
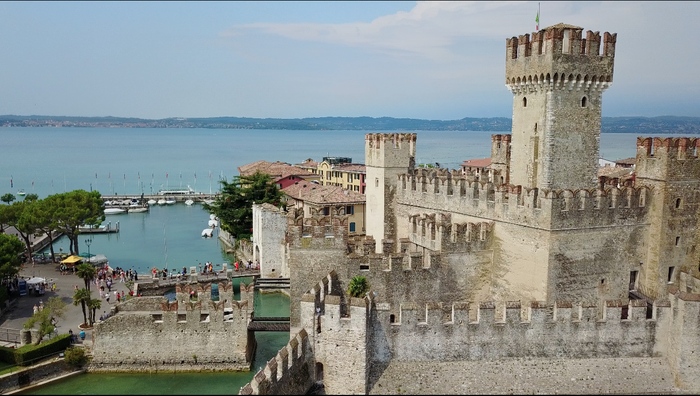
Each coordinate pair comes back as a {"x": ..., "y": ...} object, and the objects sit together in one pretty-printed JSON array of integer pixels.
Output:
[{"x": 538, "y": 260}]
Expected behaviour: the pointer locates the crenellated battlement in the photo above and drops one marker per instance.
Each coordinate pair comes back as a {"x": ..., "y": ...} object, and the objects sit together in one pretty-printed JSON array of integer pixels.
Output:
[
  {"x": 436, "y": 232},
  {"x": 317, "y": 231},
  {"x": 559, "y": 58},
  {"x": 531, "y": 206},
  {"x": 670, "y": 159},
  {"x": 287, "y": 372},
  {"x": 390, "y": 150}
]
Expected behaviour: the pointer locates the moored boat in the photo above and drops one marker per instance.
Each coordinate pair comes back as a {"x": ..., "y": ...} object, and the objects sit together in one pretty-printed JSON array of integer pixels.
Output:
[
  {"x": 207, "y": 232},
  {"x": 138, "y": 210},
  {"x": 21, "y": 193},
  {"x": 161, "y": 201},
  {"x": 169, "y": 201},
  {"x": 114, "y": 211},
  {"x": 189, "y": 202},
  {"x": 152, "y": 201}
]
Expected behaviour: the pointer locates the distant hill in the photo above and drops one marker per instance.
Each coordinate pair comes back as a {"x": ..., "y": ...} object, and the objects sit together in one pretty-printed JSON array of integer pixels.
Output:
[{"x": 641, "y": 125}]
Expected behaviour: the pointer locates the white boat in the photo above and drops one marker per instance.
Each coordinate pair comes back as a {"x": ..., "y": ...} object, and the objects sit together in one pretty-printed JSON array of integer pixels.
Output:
[
  {"x": 161, "y": 201},
  {"x": 169, "y": 201},
  {"x": 138, "y": 210},
  {"x": 212, "y": 217},
  {"x": 108, "y": 203},
  {"x": 114, "y": 211},
  {"x": 189, "y": 202},
  {"x": 213, "y": 223},
  {"x": 21, "y": 193},
  {"x": 177, "y": 191},
  {"x": 152, "y": 201},
  {"x": 207, "y": 232}
]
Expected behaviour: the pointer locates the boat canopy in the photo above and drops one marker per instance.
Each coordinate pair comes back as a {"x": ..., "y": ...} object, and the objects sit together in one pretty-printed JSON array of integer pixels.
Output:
[{"x": 71, "y": 260}]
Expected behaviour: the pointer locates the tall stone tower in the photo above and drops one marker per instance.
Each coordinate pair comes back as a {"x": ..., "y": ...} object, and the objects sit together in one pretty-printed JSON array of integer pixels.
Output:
[
  {"x": 557, "y": 79},
  {"x": 386, "y": 156}
]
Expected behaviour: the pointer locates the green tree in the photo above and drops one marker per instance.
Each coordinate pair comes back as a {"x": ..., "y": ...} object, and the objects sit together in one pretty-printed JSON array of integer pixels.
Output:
[
  {"x": 234, "y": 206},
  {"x": 87, "y": 272},
  {"x": 358, "y": 286},
  {"x": 93, "y": 305},
  {"x": 12, "y": 215},
  {"x": 82, "y": 297},
  {"x": 31, "y": 197},
  {"x": 7, "y": 198},
  {"x": 47, "y": 318},
  {"x": 75, "y": 209},
  {"x": 10, "y": 249},
  {"x": 42, "y": 213}
]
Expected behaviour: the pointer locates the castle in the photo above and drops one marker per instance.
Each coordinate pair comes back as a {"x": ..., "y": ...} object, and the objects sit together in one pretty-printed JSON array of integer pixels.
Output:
[{"x": 539, "y": 278}]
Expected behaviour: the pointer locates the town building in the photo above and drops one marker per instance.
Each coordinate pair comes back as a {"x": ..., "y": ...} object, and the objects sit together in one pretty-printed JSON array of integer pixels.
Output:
[
  {"x": 338, "y": 171},
  {"x": 282, "y": 173}
]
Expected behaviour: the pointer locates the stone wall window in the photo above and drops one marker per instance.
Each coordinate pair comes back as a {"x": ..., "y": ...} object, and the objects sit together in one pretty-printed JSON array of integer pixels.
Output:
[
  {"x": 671, "y": 273},
  {"x": 524, "y": 102},
  {"x": 584, "y": 101}
]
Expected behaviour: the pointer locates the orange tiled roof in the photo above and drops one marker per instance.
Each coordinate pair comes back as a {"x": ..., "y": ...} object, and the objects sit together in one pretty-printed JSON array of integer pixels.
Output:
[
  {"x": 309, "y": 163},
  {"x": 350, "y": 167},
  {"x": 478, "y": 163},
  {"x": 627, "y": 161},
  {"x": 319, "y": 194},
  {"x": 613, "y": 172}
]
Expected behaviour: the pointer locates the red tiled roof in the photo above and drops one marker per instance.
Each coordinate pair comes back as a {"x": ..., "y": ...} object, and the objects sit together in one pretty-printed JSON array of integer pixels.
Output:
[
  {"x": 627, "y": 161},
  {"x": 308, "y": 163},
  {"x": 478, "y": 163},
  {"x": 319, "y": 194},
  {"x": 349, "y": 167},
  {"x": 612, "y": 172}
]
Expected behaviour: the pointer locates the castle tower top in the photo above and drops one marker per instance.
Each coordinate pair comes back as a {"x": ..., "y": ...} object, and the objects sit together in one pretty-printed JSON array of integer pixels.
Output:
[
  {"x": 557, "y": 78},
  {"x": 560, "y": 49}
]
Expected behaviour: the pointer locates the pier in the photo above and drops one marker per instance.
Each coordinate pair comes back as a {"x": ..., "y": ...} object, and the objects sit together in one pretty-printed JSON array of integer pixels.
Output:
[
  {"x": 196, "y": 197},
  {"x": 101, "y": 229}
]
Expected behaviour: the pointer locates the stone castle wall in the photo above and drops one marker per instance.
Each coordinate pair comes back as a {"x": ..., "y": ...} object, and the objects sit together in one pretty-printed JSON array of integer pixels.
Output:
[{"x": 149, "y": 333}]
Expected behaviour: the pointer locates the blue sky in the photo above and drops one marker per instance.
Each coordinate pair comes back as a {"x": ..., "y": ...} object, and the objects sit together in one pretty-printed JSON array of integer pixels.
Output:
[{"x": 429, "y": 60}]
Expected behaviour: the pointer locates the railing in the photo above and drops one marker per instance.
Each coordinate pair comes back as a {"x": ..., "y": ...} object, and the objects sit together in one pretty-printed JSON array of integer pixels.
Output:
[{"x": 10, "y": 335}]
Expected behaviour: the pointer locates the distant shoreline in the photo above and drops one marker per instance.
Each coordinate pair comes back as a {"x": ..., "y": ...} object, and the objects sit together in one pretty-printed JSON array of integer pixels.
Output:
[{"x": 659, "y": 125}]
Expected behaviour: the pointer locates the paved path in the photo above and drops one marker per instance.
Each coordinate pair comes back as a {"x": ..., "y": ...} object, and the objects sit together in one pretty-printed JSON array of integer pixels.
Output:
[{"x": 65, "y": 286}]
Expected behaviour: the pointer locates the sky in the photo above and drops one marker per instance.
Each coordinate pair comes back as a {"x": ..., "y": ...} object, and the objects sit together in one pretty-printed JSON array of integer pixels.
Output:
[{"x": 425, "y": 60}]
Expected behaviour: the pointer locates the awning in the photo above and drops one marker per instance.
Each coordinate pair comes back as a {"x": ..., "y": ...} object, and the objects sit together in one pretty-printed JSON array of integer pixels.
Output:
[
  {"x": 36, "y": 281},
  {"x": 71, "y": 260}
]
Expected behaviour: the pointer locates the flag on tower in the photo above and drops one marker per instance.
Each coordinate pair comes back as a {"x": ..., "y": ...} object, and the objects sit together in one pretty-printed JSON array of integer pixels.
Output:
[{"x": 537, "y": 18}]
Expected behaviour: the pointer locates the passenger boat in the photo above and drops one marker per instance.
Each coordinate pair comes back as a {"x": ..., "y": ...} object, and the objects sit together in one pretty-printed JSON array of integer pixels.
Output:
[{"x": 177, "y": 191}]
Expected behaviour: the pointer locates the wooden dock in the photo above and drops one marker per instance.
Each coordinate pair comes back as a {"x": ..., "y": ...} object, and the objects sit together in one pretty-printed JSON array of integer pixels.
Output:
[
  {"x": 196, "y": 197},
  {"x": 100, "y": 230}
]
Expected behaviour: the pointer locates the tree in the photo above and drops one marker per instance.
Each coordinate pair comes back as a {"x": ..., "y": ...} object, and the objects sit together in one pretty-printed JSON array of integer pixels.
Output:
[
  {"x": 86, "y": 272},
  {"x": 10, "y": 249},
  {"x": 75, "y": 209},
  {"x": 93, "y": 305},
  {"x": 234, "y": 207},
  {"x": 12, "y": 215},
  {"x": 7, "y": 198},
  {"x": 358, "y": 286},
  {"x": 31, "y": 197},
  {"x": 42, "y": 212},
  {"x": 82, "y": 297},
  {"x": 47, "y": 318}
]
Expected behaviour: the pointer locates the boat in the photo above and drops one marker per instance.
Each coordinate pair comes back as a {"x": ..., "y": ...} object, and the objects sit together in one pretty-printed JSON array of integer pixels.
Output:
[
  {"x": 208, "y": 201},
  {"x": 114, "y": 211},
  {"x": 206, "y": 233},
  {"x": 21, "y": 193},
  {"x": 189, "y": 202},
  {"x": 213, "y": 223},
  {"x": 140, "y": 209},
  {"x": 161, "y": 201},
  {"x": 169, "y": 201},
  {"x": 177, "y": 191},
  {"x": 108, "y": 203},
  {"x": 152, "y": 201}
]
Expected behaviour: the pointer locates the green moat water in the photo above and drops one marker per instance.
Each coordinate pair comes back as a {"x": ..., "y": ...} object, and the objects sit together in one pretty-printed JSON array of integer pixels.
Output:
[{"x": 269, "y": 343}]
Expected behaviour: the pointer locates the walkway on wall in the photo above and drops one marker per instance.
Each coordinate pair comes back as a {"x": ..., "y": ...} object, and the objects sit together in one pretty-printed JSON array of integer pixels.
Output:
[
  {"x": 272, "y": 283},
  {"x": 269, "y": 323}
]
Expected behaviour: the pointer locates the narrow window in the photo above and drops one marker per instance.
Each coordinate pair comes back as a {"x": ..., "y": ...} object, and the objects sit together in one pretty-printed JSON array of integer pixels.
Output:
[
  {"x": 535, "y": 127},
  {"x": 326, "y": 211},
  {"x": 376, "y": 182},
  {"x": 602, "y": 281},
  {"x": 524, "y": 102},
  {"x": 633, "y": 280},
  {"x": 678, "y": 239},
  {"x": 349, "y": 210},
  {"x": 671, "y": 270},
  {"x": 678, "y": 203},
  {"x": 352, "y": 227},
  {"x": 392, "y": 318},
  {"x": 583, "y": 101}
]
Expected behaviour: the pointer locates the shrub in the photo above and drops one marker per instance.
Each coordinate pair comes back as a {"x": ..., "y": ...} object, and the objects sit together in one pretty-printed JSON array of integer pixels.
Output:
[
  {"x": 358, "y": 286},
  {"x": 76, "y": 356},
  {"x": 28, "y": 354}
]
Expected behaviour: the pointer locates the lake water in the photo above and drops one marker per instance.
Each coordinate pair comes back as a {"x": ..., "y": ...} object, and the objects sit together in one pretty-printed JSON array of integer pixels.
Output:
[{"x": 130, "y": 161}]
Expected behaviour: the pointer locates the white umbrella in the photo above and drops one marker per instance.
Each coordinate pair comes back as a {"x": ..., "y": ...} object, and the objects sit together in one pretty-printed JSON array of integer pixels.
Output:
[{"x": 36, "y": 281}]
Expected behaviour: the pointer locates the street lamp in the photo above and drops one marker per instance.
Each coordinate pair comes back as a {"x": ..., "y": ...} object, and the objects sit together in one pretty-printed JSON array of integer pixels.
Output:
[{"x": 88, "y": 241}]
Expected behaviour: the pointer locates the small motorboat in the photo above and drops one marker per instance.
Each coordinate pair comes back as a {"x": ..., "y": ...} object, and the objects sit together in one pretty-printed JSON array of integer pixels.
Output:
[
  {"x": 152, "y": 201},
  {"x": 169, "y": 201},
  {"x": 161, "y": 201},
  {"x": 110, "y": 211},
  {"x": 21, "y": 193},
  {"x": 213, "y": 223},
  {"x": 189, "y": 202},
  {"x": 138, "y": 210},
  {"x": 108, "y": 203},
  {"x": 207, "y": 232}
]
